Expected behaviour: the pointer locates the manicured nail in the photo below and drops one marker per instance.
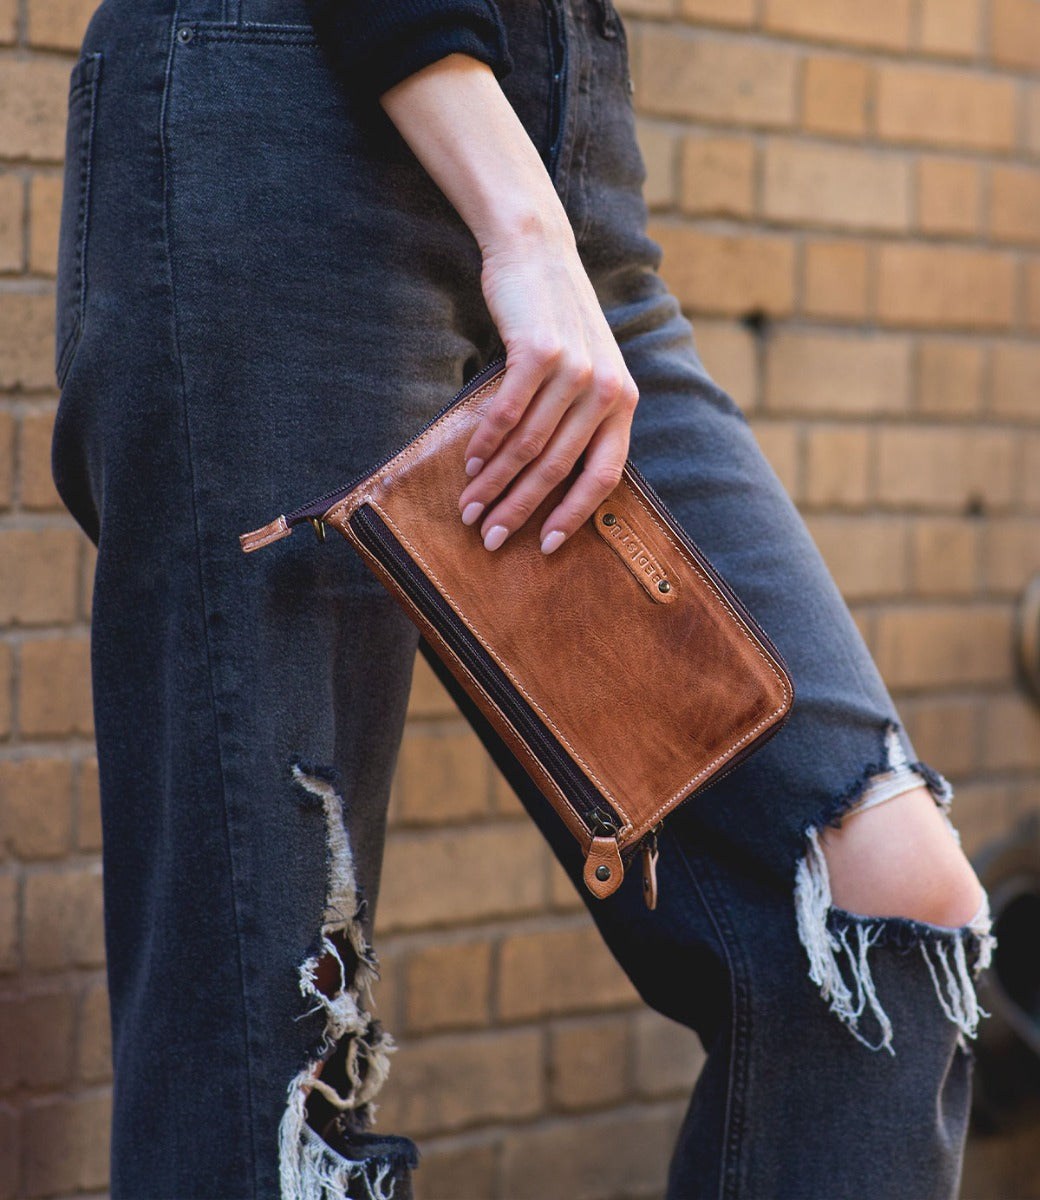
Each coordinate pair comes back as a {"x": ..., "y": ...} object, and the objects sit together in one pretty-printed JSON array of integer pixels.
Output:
[
  {"x": 553, "y": 541},
  {"x": 496, "y": 535},
  {"x": 474, "y": 467},
  {"x": 471, "y": 512}
]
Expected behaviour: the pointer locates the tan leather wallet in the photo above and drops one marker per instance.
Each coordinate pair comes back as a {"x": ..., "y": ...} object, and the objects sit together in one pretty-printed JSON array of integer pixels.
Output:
[{"x": 622, "y": 671}]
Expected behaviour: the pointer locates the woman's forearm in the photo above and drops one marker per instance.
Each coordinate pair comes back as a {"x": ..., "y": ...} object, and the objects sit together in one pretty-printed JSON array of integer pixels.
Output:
[
  {"x": 567, "y": 394},
  {"x": 455, "y": 117}
]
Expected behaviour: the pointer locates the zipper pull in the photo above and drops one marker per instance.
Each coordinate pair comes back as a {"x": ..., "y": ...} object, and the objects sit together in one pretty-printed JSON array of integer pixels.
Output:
[
  {"x": 274, "y": 531},
  {"x": 650, "y": 855},
  {"x": 604, "y": 869}
]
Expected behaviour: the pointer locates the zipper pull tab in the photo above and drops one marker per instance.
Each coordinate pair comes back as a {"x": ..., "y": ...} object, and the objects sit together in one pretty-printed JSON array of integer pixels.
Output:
[
  {"x": 604, "y": 869},
  {"x": 650, "y": 855},
  {"x": 272, "y": 532}
]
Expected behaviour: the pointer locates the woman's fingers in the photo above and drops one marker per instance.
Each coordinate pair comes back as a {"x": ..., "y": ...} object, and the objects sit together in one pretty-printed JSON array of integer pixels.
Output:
[{"x": 516, "y": 482}]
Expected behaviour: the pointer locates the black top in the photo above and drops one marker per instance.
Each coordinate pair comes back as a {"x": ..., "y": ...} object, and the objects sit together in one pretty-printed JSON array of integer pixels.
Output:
[{"x": 373, "y": 44}]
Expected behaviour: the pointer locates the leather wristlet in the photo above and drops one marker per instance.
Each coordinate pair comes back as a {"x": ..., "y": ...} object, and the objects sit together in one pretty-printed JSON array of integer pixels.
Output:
[{"x": 621, "y": 670}]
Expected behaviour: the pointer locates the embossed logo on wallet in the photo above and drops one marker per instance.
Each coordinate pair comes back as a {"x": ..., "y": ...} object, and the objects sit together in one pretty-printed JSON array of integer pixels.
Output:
[{"x": 625, "y": 540}]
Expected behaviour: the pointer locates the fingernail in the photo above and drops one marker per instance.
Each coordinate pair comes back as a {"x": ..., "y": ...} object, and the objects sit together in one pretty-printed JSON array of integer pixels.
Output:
[
  {"x": 474, "y": 467},
  {"x": 496, "y": 535},
  {"x": 553, "y": 541},
  {"x": 471, "y": 512}
]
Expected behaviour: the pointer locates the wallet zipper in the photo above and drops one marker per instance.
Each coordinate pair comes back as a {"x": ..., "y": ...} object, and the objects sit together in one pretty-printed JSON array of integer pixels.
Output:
[{"x": 595, "y": 812}]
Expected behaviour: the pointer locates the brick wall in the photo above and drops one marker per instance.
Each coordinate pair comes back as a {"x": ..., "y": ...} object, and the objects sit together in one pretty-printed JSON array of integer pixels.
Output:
[{"x": 849, "y": 199}]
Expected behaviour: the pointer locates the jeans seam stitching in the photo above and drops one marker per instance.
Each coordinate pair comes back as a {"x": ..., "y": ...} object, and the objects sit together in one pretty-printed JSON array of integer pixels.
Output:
[{"x": 175, "y": 330}]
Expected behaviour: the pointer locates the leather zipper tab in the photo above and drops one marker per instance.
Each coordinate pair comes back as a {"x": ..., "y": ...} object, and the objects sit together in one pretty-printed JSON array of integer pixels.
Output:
[
  {"x": 273, "y": 531},
  {"x": 604, "y": 869},
  {"x": 650, "y": 854}
]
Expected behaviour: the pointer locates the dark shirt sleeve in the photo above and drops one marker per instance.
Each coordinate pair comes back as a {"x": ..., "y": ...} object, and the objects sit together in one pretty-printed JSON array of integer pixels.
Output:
[{"x": 373, "y": 44}]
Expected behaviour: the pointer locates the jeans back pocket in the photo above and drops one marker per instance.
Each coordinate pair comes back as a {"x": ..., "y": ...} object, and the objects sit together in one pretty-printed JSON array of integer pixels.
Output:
[{"x": 75, "y": 210}]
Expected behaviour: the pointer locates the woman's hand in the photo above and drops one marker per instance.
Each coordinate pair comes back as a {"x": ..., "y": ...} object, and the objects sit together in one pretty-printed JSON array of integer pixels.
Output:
[{"x": 566, "y": 391}]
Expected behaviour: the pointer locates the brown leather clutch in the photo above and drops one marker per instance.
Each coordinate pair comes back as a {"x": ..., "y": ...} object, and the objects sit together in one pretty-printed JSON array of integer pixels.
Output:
[{"x": 622, "y": 671}]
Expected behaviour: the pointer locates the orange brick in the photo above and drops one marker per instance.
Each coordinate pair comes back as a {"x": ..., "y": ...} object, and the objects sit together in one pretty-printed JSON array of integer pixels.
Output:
[
  {"x": 866, "y": 555},
  {"x": 448, "y": 987},
  {"x": 63, "y": 923},
  {"x": 442, "y": 1084},
  {"x": 836, "y": 280},
  {"x": 838, "y": 466},
  {"x": 55, "y": 687},
  {"x": 885, "y": 23},
  {"x": 33, "y": 96},
  {"x": 588, "y": 1063},
  {"x": 658, "y": 146},
  {"x": 66, "y": 1143},
  {"x": 941, "y": 467},
  {"x": 453, "y": 1171},
  {"x": 443, "y": 774},
  {"x": 59, "y": 24},
  {"x": 781, "y": 444},
  {"x": 1031, "y": 471},
  {"x": 937, "y": 285},
  {"x": 946, "y": 107},
  {"x": 1033, "y": 295},
  {"x": 951, "y": 27},
  {"x": 949, "y": 196},
  {"x": 1015, "y": 381},
  {"x": 727, "y": 273},
  {"x": 834, "y": 373},
  {"x": 945, "y": 556},
  {"x": 1012, "y": 554},
  {"x": 6, "y": 458},
  {"x": 668, "y": 1056},
  {"x": 44, "y": 215},
  {"x": 89, "y": 819},
  {"x": 26, "y": 339},
  {"x": 836, "y": 95},
  {"x": 684, "y": 73},
  {"x": 452, "y": 875},
  {"x": 40, "y": 582},
  {"x": 1011, "y": 733},
  {"x": 559, "y": 971},
  {"x": 949, "y": 377},
  {"x": 12, "y": 212},
  {"x": 504, "y": 801},
  {"x": 8, "y": 33},
  {"x": 945, "y": 733},
  {"x": 730, "y": 353},
  {"x": 1015, "y": 33},
  {"x": 564, "y": 895},
  {"x": 428, "y": 697},
  {"x": 1014, "y": 211},
  {"x": 36, "y": 807},
  {"x": 36, "y": 1038},
  {"x": 1033, "y": 119},
  {"x": 94, "y": 1064},
  {"x": 6, "y": 671},
  {"x": 836, "y": 185},
  {"x": 627, "y": 1152},
  {"x": 9, "y": 924},
  {"x": 38, "y": 492},
  {"x": 943, "y": 647},
  {"x": 721, "y": 12},
  {"x": 718, "y": 176}
]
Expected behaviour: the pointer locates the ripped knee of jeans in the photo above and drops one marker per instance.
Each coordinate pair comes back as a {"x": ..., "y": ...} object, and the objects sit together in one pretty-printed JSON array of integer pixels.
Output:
[
  {"x": 839, "y": 942},
  {"x": 325, "y": 1149}
]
